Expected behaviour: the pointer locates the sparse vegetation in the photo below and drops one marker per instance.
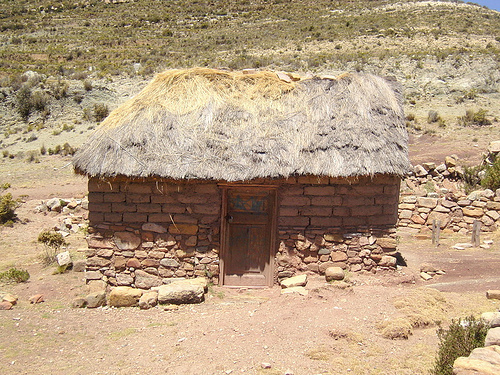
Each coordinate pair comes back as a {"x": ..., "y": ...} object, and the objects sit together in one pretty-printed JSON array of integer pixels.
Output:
[
  {"x": 52, "y": 242},
  {"x": 8, "y": 207},
  {"x": 14, "y": 275},
  {"x": 474, "y": 118},
  {"x": 101, "y": 111},
  {"x": 461, "y": 337}
]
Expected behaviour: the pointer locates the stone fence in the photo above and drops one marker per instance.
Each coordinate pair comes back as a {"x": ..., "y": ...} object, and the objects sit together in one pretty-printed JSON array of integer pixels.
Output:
[{"x": 435, "y": 193}]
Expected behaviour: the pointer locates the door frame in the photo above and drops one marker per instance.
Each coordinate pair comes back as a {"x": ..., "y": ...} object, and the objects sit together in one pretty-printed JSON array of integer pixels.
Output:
[{"x": 224, "y": 247}]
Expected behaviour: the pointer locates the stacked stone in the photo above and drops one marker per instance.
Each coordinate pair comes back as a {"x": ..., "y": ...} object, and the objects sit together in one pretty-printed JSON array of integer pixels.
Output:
[
  {"x": 456, "y": 212},
  {"x": 334, "y": 222},
  {"x": 349, "y": 251},
  {"x": 147, "y": 233}
]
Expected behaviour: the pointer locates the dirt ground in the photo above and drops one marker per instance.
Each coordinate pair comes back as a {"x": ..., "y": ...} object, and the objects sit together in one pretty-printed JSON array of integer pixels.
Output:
[{"x": 332, "y": 330}]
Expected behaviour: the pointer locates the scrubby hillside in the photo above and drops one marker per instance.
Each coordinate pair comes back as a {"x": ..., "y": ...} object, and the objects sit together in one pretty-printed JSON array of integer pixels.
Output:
[{"x": 86, "y": 57}]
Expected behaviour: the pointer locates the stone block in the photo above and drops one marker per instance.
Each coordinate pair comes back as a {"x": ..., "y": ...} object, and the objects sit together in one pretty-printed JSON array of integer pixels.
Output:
[
  {"x": 124, "y": 279},
  {"x": 180, "y": 292},
  {"x": 334, "y": 273},
  {"x": 472, "y": 212},
  {"x": 427, "y": 202},
  {"x": 96, "y": 299},
  {"x": 148, "y": 300},
  {"x": 144, "y": 280},
  {"x": 123, "y": 296},
  {"x": 93, "y": 275}
]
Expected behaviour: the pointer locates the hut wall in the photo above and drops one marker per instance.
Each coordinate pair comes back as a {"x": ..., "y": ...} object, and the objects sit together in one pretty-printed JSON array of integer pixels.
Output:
[
  {"x": 325, "y": 222},
  {"x": 143, "y": 232}
]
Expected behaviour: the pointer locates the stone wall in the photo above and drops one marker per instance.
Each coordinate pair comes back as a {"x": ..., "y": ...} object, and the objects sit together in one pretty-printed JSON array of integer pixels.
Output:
[
  {"x": 336, "y": 222},
  {"x": 144, "y": 232},
  {"x": 437, "y": 193}
]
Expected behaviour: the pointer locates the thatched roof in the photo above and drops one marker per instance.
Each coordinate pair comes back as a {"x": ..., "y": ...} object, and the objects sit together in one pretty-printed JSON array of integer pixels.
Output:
[{"x": 219, "y": 125}]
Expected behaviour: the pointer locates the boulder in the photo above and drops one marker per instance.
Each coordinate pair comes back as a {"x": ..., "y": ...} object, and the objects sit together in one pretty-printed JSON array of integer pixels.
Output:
[
  {"x": 482, "y": 361},
  {"x": 387, "y": 261},
  {"x": 96, "y": 299},
  {"x": 11, "y": 298},
  {"x": 493, "y": 294},
  {"x": 37, "y": 298},
  {"x": 4, "y": 305},
  {"x": 490, "y": 317},
  {"x": 148, "y": 300},
  {"x": 79, "y": 303},
  {"x": 124, "y": 296},
  {"x": 180, "y": 292},
  {"x": 144, "y": 280},
  {"x": 450, "y": 161},
  {"x": 63, "y": 259},
  {"x": 334, "y": 273},
  {"x": 54, "y": 204},
  {"x": 494, "y": 147},
  {"x": 492, "y": 337},
  {"x": 299, "y": 280},
  {"x": 419, "y": 171}
]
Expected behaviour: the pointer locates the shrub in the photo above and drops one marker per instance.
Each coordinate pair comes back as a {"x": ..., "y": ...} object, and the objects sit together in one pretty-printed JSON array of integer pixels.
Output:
[
  {"x": 15, "y": 275},
  {"x": 101, "y": 111},
  {"x": 432, "y": 117},
  {"x": 491, "y": 179},
  {"x": 8, "y": 207},
  {"x": 51, "y": 238},
  {"x": 471, "y": 177},
  {"x": 52, "y": 242},
  {"x": 43, "y": 150},
  {"x": 474, "y": 118},
  {"x": 39, "y": 101},
  {"x": 87, "y": 85},
  {"x": 461, "y": 337},
  {"x": 24, "y": 103}
]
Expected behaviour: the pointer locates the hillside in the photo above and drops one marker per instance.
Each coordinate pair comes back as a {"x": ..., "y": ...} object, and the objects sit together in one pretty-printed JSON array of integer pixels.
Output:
[{"x": 84, "y": 54}]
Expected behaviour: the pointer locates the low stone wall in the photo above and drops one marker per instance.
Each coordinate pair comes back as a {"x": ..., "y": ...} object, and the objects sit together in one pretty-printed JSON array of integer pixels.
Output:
[
  {"x": 436, "y": 193},
  {"x": 143, "y": 232},
  {"x": 337, "y": 222}
]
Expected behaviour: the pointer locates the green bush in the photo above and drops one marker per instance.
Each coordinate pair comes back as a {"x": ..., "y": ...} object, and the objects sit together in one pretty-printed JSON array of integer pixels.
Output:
[
  {"x": 8, "y": 207},
  {"x": 15, "y": 275},
  {"x": 51, "y": 239},
  {"x": 24, "y": 103},
  {"x": 461, "y": 337},
  {"x": 471, "y": 177},
  {"x": 492, "y": 178}
]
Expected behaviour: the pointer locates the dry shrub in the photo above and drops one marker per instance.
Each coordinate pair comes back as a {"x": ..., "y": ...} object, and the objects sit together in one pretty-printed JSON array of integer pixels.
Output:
[
  {"x": 398, "y": 328},
  {"x": 423, "y": 307}
]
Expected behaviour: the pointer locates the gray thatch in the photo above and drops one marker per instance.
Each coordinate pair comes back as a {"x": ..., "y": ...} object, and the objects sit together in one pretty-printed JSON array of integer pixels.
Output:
[{"x": 210, "y": 124}]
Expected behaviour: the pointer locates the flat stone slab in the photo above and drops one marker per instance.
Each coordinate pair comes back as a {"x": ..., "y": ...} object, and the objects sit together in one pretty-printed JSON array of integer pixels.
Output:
[
  {"x": 295, "y": 289},
  {"x": 299, "y": 280}
]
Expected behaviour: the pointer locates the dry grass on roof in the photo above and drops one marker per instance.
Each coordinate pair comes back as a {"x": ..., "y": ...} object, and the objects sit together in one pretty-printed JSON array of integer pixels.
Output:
[{"x": 210, "y": 124}]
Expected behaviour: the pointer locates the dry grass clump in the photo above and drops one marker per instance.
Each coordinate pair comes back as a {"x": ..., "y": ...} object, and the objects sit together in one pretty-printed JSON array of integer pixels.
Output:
[
  {"x": 398, "y": 328},
  {"x": 421, "y": 307}
]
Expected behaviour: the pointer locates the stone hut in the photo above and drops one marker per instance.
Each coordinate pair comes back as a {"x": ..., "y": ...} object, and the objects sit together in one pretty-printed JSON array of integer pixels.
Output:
[{"x": 245, "y": 177}]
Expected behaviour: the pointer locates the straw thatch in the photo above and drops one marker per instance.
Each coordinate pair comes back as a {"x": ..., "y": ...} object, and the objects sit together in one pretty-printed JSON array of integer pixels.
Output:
[{"x": 210, "y": 124}]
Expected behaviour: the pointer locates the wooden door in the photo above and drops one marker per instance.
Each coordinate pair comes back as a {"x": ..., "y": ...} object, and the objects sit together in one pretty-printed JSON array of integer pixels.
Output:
[{"x": 249, "y": 217}]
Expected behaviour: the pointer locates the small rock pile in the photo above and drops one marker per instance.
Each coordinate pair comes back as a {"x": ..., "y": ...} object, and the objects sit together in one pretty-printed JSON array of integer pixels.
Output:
[
  {"x": 484, "y": 360},
  {"x": 434, "y": 193}
]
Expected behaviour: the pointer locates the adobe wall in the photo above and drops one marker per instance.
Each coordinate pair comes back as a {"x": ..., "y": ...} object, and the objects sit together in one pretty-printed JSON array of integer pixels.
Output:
[{"x": 142, "y": 233}]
